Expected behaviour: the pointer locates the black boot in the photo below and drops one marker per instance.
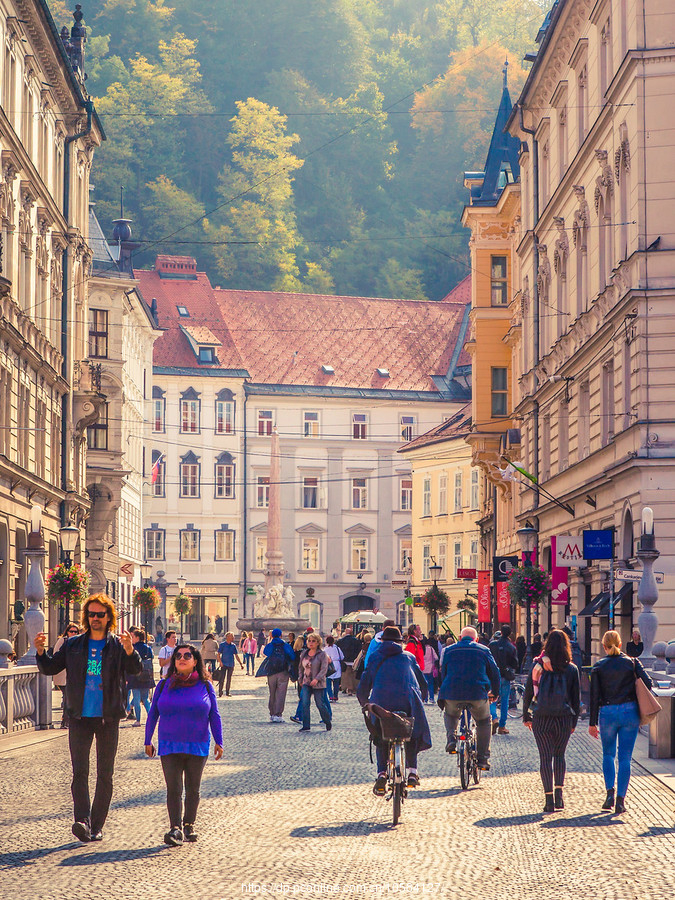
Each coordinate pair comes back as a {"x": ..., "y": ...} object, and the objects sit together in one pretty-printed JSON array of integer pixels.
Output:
[
  {"x": 558, "y": 798},
  {"x": 549, "y": 807},
  {"x": 609, "y": 799},
  {"x": 620, "y": 805}
]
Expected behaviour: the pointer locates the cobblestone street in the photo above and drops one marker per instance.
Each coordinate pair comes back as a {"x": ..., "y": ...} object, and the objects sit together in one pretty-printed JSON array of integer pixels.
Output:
[{"x": 297, "y": 811}]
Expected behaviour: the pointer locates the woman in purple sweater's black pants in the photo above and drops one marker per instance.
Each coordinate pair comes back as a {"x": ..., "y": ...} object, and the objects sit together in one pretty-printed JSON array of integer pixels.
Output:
[{"x": 185, "y": 705}]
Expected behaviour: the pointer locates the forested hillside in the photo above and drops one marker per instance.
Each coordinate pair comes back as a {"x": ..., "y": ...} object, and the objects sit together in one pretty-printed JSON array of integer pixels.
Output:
[{"x": 311, "y": 145}]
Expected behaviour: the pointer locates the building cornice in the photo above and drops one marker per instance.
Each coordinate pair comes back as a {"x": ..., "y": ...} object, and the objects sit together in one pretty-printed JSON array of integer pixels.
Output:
[{"x": 294, "y": 390}]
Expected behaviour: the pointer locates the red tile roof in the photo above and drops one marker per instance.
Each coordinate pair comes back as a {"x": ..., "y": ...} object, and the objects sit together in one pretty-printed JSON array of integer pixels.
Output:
[
  {"x": 286, "y": 338},
  {"x": 461, "y": 293}
]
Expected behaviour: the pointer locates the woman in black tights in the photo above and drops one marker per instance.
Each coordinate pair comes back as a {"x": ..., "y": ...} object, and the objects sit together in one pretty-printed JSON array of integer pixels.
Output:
[{"x": 551, "y": 710}]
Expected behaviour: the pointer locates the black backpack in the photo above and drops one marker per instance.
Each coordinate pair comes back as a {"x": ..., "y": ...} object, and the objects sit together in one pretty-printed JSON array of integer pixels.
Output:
[
  {"x": 277, "y": 660},
  {"x": 552, "y": 696}
]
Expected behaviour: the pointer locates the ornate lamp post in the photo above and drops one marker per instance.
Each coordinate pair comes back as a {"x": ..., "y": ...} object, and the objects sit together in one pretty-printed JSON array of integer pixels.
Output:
[
  {"x": 435, "y": 571},
  {"x": 528, "y": 544},
  {"x": 648, "y": 592},
  {"x": 69, "y": 535},
  {"x": 146, "y": 572},
  {"x": 181, "y": 582}
]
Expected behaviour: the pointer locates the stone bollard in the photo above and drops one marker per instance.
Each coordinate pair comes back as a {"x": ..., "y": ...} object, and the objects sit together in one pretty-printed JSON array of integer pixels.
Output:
[
  {"x": 5, "y": 650},
  {"x": 670, "y": 656},
  {"x": 659, "y": 651}
]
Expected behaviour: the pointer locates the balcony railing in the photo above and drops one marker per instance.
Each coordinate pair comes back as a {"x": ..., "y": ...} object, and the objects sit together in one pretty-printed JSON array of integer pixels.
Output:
[{"x": 19, "y": 700}]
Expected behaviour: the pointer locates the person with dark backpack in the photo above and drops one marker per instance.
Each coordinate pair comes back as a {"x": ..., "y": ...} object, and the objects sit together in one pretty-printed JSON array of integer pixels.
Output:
[
  {"x": 552, "y": 715},
  {"x": 279, "y": 656}
]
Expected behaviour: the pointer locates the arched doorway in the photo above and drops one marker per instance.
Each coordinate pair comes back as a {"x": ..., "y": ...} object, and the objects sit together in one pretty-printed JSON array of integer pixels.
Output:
[{"x": 356, "y": 601}]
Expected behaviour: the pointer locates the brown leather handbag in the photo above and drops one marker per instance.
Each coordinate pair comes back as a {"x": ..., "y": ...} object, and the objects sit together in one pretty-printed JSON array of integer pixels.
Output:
[{"x": 648, "y": 704}]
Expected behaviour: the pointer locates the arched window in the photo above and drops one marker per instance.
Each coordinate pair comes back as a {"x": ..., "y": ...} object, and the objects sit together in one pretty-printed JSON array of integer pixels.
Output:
[
  {"x": 311, "y": 610},
  {"x": 189, "y": 411},
  {"x": 225, "y": 412},
  {"x": 189, "y": 475},
  {"x": 224, "y": 477}
]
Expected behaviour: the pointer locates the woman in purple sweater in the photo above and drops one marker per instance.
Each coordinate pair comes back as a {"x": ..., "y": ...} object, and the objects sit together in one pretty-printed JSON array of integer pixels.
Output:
[{"x": 185, "y": 705}]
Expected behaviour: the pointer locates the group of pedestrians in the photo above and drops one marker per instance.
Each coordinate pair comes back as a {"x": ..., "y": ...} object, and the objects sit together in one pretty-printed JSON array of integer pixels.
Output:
[{"x": 100, "y": 669}]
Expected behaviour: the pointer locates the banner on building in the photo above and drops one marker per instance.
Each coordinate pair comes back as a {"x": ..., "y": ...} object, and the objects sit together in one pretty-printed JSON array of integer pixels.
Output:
[
  {"x": 503, "y": 603},
  {"x": 484, "y": 596},
  {"x": 502, "y": 566},
  {"x": 568, "y": 550},
  {"x": 560, "y": 593}
]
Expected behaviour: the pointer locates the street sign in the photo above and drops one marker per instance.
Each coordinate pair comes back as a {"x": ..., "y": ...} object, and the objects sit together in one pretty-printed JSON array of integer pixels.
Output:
[
  {"x": 250, "y": 590},
  {"x": 127, "y": 569},
  {"x": 636, "y": 575},
  {"x": 599, "y": 544},
  {"x": 469, "y": 574},
  {"x": 569, "y": 550},
  {"x": 399, "y": 584}
]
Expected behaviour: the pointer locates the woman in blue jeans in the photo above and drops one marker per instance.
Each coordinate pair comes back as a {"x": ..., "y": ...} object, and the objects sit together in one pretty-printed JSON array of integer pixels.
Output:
[{"x": 615, "y": 708}]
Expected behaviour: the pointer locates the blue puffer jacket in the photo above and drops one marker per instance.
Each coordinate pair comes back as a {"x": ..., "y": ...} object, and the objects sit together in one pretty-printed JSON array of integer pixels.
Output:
[
  {"x": 468, "y": 672},
  {"x": 393, "y": 679}
]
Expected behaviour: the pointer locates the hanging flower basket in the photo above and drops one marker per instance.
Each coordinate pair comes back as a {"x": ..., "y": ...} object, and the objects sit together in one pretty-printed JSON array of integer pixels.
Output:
[
  {"x": 467, "y": 603},
  {"x": 147, "y": 599},
  {"x": 67, "y": 584},
  {"x": 435, "y": 601},
  {"x": 183, "y": 605},
  {"x": 529, "y": 584}
]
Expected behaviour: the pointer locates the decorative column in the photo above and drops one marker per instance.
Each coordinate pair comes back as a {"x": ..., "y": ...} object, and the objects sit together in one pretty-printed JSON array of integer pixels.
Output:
[
  {"x": 648, "y": 592},
  {"x": 34, "y": 617},
  {"x": 275, "y": 571}
]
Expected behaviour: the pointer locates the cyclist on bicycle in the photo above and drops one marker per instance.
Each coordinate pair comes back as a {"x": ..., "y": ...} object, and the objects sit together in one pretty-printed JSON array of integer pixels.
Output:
[
  {"x": 470, "y": 678},
  {"x": 393, "y": 679}
]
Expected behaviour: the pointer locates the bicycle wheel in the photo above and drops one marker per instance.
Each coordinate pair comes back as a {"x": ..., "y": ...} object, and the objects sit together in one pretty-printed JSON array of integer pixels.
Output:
[
  {"x": 475, "y": 771},
  {"x": 397, "y": 800},
  {"x": 516, "y": 711},
  {"x": 463, "y": 759}
]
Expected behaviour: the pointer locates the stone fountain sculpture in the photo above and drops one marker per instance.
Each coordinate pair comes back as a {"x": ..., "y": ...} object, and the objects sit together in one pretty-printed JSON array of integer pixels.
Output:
[{"x": 273, "y": 606}]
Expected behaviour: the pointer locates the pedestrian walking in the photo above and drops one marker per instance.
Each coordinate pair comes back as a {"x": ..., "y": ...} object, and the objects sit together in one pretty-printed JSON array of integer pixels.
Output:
[
  {"x": 227, "y": 653},
  {"x": 361, "y": 660},
  {"x": 141, "y": 684},
  {"x": 186, "y": 708},
  {"x": 430, "y": 667},
  {"x": 555, "y": 714},
  {"x": 350, "y": 647},
  {"x": 634, "y": 647},
  {"x": 280, "y": 657},
  {"x": 96, "y": 663},
  {"x": 249, "y": 648},
  {"x": 166, "y": 652},
  {"x": 336, "y": 657},
  {"x": 260, "y": 643},
  {"x": 614, "y": 707},
  {"x": 506, "y": 657},
  {"x": 414, "y": 644},
  {"x": 521, "y": 650},
  {"x": 312, "y": 681},
  {"x": 59, "y": 680},
  {"x": 209, "y": 652}
]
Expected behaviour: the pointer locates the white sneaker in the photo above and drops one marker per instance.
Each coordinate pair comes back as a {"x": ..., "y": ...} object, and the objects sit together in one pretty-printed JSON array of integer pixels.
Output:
[
  {"x": 273, "y": 718},
  {"x": 280, "y": 719}
]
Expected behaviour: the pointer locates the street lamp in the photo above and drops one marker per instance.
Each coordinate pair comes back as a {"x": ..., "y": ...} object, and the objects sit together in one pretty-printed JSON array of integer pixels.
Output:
[
  {"x": 181, "y": 582},
  {"x": 648, "y": 592},
  {"x": 528, "y": 544},
  {"x": 69, "y": 535},
  {"x": 435, "y": 571}
]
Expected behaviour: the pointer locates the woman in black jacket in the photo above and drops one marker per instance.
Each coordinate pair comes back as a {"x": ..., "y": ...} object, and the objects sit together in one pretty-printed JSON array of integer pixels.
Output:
[
  {"x": 554, "y": 686},
  {"x": 614, "y": 705}
]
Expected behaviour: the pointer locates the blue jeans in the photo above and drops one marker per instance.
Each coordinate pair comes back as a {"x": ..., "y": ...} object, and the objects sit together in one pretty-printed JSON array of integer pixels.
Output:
[
  {"x": 321, "y": 704},
  {"x": 430, "y": 686},
  {"x": 249, "y": 659},
  {"x": 333, "y": 685},
  {"x": 618, "y": 723},
  {"x": 504, "y": 694},
  {"x": 138, "y": 696}
]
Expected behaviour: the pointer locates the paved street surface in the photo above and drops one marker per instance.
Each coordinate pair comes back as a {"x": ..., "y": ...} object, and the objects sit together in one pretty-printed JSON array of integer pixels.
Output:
[{"x": 295, "y": 813}]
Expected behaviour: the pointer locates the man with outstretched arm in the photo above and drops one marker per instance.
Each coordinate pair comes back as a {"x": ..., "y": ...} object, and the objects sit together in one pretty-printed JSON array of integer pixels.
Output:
[{"x": 97, "y": 664}]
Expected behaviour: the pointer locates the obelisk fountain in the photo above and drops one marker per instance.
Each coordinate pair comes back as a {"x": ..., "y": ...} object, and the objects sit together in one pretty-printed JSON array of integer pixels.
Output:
[{"x": 273, "y": 607}]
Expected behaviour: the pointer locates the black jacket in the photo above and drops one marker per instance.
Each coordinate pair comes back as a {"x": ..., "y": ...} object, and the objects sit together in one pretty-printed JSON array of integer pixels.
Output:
[
  {"x": 573, "y": 698},
  {"x": 350, "y": 646},
  {"x": 633, "y": 649},
  {"x": 505, "y": 654},
  {"x": 613, "y": 682},
  {"x": 115, "y": 666}
]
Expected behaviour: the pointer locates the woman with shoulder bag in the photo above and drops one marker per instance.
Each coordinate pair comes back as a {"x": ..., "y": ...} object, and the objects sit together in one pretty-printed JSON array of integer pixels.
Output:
[
  {"x": 614, "y": 705},
  {"x": 312, "y": 681},
  {"x": 336, "y": 657},
  {"x": 555, "y": 715}
]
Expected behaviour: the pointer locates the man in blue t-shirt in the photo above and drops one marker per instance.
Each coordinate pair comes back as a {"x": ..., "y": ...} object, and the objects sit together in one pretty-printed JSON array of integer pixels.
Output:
[
  {"x": 97, "y": 665},
  {"x": 227, "y": 653}
]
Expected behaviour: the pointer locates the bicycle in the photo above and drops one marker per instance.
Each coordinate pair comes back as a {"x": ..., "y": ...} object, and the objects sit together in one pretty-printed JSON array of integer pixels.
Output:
[
  {"x": 395, "y": 728},
  {"x": 467, "y": 751},
  {"x": 515, "y": 710}
]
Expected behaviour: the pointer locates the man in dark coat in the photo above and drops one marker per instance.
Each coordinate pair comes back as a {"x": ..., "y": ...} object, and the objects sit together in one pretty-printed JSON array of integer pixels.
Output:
[
  {"x": 392, "y": 679},
  {"x": 97, "y": 665},
  {"x": 350, "y": 647},
  {"x": 506, "y": 657},
  {"x": 469, "y": 675}
]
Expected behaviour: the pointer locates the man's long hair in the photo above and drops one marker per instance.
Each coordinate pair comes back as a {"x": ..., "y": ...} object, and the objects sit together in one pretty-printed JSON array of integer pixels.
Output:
[{"x": 104, "y": 600}]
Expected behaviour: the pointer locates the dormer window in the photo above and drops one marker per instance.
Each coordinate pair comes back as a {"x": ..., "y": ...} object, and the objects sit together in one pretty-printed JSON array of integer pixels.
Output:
[
  {"x": 206, "y": 355},
  {"x": 183, "y": 312}
]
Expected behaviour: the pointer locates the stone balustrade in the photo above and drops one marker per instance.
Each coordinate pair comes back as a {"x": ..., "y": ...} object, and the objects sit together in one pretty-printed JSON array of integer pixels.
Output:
[{"x": 19, "y": 700}]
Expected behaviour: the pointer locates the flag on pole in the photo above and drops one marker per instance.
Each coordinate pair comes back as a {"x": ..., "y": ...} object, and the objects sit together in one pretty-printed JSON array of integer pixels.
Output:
[{"x": 154, "y": 475}]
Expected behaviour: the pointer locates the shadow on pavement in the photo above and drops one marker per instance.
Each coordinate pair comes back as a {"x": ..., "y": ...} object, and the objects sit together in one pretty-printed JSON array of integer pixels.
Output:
[
  {"x": 341, "y": 829},
  {"x": 22, "y": 858},
  {"x": 601, "y": 819},
  {"x": 657, "y": 831},
  {"x": 107, "y": 856},
  {"x": 508, "y": 821}
]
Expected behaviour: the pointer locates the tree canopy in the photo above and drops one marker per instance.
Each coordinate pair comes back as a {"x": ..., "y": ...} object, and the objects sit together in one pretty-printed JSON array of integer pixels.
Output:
[{"x": 301, "y": 146}]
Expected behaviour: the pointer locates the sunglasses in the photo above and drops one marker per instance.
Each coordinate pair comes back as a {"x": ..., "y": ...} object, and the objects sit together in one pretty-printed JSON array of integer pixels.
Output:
[
  {"x": 96, "y": 615},
  {"x": 186, "y": 655}
]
